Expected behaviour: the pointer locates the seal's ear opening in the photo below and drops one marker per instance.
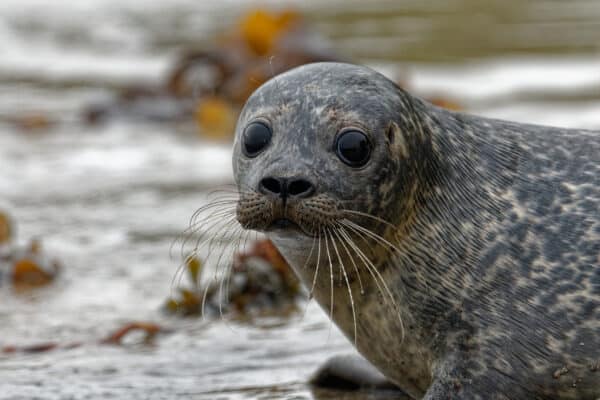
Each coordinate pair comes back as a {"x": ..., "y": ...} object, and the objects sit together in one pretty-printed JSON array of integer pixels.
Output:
[
  {"x": 396, "y": 140},
  {"x": 390, "y": 132}
]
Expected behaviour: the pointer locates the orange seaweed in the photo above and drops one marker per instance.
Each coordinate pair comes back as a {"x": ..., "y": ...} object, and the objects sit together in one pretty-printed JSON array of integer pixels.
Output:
[
  {"x": 149, "y": 328},
  {"x": 6, "y": 230},
  {"x": 215, "y": 118},
  {"x": 33, "y": 122},
  {"x": 27, "y": 273},
  {"x": 445, "y": 103},
  {"x": 261, "y": 29}
]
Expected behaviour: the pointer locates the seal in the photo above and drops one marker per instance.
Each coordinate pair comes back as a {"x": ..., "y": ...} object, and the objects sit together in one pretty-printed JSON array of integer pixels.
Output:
[{"x": 460, "y": 254}]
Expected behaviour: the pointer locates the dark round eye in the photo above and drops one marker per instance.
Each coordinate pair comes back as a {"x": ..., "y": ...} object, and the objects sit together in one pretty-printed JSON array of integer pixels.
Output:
[
  {"x": 256, "y": 137},
  {"x": 353, "y": 148}
]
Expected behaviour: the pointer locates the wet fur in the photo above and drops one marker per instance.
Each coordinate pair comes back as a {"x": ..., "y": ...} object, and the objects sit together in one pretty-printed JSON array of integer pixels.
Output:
[{"x": 494, "y": 267}]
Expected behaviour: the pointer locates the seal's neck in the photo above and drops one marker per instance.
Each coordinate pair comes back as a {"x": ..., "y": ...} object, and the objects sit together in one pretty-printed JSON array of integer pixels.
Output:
[{"x": 458, "y": 207}]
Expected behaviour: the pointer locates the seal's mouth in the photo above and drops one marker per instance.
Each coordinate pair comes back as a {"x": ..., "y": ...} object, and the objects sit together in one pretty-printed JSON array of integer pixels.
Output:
[
  {"x": 283, "y": 224},
  {"x": 309, "y": 216}
]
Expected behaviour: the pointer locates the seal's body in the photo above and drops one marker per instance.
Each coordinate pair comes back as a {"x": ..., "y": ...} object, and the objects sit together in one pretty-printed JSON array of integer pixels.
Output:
[{"x": 460, "y": 254}]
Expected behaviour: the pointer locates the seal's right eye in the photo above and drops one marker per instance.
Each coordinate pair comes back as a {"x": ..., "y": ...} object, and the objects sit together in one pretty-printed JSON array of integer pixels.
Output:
[
  {"x": 353, "y": 148},
  {"x": 256, "y": 137}
]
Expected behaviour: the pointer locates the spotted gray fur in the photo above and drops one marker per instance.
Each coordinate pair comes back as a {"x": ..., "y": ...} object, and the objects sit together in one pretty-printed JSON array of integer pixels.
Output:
[{"x": 495, "y": 266}]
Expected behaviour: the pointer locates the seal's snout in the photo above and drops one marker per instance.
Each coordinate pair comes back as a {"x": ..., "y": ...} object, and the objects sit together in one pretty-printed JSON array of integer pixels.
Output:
[
  {"x": 288, "y": 204},
  {"x": 284, "y": 188}
]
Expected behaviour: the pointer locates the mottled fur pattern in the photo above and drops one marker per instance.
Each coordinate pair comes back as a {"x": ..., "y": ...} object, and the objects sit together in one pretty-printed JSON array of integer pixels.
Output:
[{"x": 493, "y": 259}]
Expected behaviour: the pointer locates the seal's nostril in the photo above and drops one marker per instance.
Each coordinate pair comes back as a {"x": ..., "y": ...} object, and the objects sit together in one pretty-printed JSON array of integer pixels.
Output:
[
  {"x": 284, "y": 187},
  {"x": 300, "y": 188},
  {"x": 271, "y": 185}
]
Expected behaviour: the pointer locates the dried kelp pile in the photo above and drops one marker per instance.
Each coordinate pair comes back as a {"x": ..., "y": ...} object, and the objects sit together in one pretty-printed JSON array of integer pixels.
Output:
[
  {"x": 260, "y": 283},
  {"x": 23, "y": 267}
]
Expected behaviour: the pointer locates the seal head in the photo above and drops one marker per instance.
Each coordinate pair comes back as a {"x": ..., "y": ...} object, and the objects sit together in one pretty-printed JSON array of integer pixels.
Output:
[{"x": 333, "y": 146}]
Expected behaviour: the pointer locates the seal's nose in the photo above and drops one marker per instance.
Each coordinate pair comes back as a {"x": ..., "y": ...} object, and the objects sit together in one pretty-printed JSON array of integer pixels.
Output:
[{"x": 286, "y": 187}]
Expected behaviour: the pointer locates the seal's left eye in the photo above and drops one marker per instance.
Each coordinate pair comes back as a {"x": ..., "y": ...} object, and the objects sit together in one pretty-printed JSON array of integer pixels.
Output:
[
  {"x": 352, "y": 147},
  {"x": 256, "y": 137}
]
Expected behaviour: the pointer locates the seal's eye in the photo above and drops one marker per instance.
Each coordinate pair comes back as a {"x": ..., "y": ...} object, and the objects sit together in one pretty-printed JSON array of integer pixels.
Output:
[
  {"x": 256, "y": 137},
  {"x": 352, "y": 147}
]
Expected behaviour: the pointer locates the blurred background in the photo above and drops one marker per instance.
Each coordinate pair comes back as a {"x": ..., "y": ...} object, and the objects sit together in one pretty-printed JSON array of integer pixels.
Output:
[{"x": 116, "y": 120}]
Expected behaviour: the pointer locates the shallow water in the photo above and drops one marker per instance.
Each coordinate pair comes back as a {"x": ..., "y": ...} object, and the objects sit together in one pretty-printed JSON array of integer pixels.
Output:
[{"x": 109, "y": 201}]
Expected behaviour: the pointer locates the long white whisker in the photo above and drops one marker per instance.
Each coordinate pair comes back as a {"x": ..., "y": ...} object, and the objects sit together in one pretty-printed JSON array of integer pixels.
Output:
[
  {"x": 192, "y": 227},
  {"x": 209, "y": 224},
  {"x": 385, "y": 243},
  {"x": 331, "y": 291},
  {"x": 314, "y": 282},
  {"x": 371, "y": 234},
  {"x": 349, "y": 289},
  {"x": 378, "y": 219},
  {"x": 228, "y": 248},
  {"x": 224, "y": 225},
  {"x": 362, "y": 290},
  {"x": 211, "y": 205},
  {"x": 227, "y": 274},
  {"x": 377, "y": 277}
]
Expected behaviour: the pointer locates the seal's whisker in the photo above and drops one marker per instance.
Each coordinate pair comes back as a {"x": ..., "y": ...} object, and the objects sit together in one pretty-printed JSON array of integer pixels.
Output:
[
  {"x": 222, "y": 191},
  {"x": 220, "y": 225},
  {"x": 245, "y": 234},
  {"x": 217, "y": 195},
  {"x": 205, "y": 223},
  {"x": 229, "y": 203},
  {"x": 223, "y": 224},
  {"x": 181, "y": 268},
  {"x": 367, "y": 215},
  {"x": 361, "y": 256},
  {"x": 239, "y": 187},
  {"x": 312, "y": 247},
  {"x": 203, "y": 301},
  {"x": 216, "y": 200},
  {"x": 208, "y": 224},
  {"x": 343, "y": 243},
  {"x": 331, "y": 293},
  {"x": 232, "y": 188},
  {"x": 178, "y": 275},
  {"x": 389, "y": 246},
  {"x": 187, "y": 233},
  {"x": 314, "y": 282},
  {"x": 372, "y": 235},
  {"x": 347, "y": 285},
  {"x": 376, "y": 276},
  {"x": 223, "y": 212},
  {"x": 229, "y": 248},
  {"x": 227, "y": 274},
  {"x": 236, "y": 233},
  {"x": 213, "y": 199}
]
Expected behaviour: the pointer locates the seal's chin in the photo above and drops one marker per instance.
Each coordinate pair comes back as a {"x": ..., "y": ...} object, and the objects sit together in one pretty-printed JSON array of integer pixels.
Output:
[{"x": 286, "y": 234}]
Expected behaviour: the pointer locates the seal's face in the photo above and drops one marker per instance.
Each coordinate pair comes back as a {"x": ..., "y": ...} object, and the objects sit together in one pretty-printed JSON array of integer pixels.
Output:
[{"x": 317, "y": 145}]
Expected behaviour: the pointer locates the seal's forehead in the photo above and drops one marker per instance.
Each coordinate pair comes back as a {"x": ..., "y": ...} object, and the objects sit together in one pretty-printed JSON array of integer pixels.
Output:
[{"x": 320, "y": 86}]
